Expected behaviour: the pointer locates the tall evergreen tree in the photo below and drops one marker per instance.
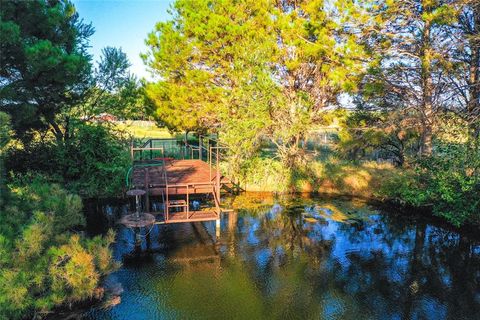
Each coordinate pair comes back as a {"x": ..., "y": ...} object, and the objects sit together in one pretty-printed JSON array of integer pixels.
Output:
[
  {"x": 465, "y": 79},
  {"x": 253, "y": 68},
  {"x": 212, "y": 63},
  {"x": 44, "y": 66},
  {"x": 415, "y": 55},
  {"x": 322, "y": 55}
]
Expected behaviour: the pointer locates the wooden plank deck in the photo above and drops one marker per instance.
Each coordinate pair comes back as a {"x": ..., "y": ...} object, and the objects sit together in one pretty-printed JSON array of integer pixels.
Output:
[
  {"x": 195, "y": 173},
  {"x": 174, "y": 181}
]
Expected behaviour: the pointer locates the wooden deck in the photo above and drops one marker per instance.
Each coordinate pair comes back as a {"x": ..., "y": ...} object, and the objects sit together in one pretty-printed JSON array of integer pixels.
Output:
[
  {"x": 161, "y": 172},
  {"x": 175, "y": 181},
  {"x": 196, "y": 174}
]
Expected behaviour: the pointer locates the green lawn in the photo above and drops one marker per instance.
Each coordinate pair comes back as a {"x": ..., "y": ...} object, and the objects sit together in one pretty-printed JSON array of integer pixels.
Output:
[{"x": 143, "y": 129}]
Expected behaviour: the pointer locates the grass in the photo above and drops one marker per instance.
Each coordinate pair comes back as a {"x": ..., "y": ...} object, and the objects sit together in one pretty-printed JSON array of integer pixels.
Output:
[
  {"x": 143, "y": 129},
  {"x": 332, "y": 177}
]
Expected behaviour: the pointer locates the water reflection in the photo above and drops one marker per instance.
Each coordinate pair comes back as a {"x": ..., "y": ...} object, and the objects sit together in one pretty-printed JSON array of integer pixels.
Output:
[{"x": 299, "y": 258}]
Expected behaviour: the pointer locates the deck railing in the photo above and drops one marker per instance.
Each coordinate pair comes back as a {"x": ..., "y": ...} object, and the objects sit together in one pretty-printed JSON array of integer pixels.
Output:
[
  {"x": 155, "y": 152},
  {"x": 168, "y": 148},
  {"x": 187, "y": 186}
]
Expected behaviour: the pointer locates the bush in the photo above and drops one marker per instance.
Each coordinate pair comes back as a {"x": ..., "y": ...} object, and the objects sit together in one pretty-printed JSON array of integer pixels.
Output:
[
  {"x": 5, "y": 134},
  {"x": 448, "y": 182},
  {"x": 264, "y": 174},
  {"x": 43, "y": 261},
  {"x": 91, "y": 163}
]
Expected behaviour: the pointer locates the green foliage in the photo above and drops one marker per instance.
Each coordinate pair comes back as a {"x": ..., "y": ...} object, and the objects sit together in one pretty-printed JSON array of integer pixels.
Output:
[
  {"x": 330, "y": 177},
  {"x": 385, "y": 134},
  {"x": 44, "y": 63},
  {"x": 252, "y": 69},
  {"x": 95, "y": 168},
  {"x": 448, "y": 182},
  {"x": 260, "y": 174},
  {"x": 212, "y": 61},
  {"x": 5, "y": 135},
  {"x": 43, "y": 262},
  {"x": 5, "y": 131},
  {"x": 92, "y": 163},
  {"x": 114, "y": 90}
]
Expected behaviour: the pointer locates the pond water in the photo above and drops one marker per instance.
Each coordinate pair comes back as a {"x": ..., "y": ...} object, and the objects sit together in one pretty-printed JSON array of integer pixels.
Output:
[{"x": 296, "y": 258}]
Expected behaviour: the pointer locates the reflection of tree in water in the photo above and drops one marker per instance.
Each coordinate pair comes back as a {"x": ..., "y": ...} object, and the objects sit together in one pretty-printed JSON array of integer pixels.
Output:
[
  {"x": 419, "y": 272},
  {"x": 276, "y": 265}
]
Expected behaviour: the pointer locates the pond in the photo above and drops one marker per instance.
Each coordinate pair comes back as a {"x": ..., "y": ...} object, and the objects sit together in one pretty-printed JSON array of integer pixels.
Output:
[{"x": 297, "y": 257}]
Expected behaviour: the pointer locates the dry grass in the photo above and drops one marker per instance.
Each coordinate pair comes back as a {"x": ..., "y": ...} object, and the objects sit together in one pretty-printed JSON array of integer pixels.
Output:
[{"x": 336, "y": 178}]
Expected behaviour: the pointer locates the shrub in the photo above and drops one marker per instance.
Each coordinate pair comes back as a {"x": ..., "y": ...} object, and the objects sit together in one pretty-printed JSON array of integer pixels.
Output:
[
  {"x": 264, "y": 174},
  {"x": 44, "y": 262},
  {"x": 332, "y": 176},
  {"x": 5, "y": 134},
  {"x": 91, "y": 163},
  {"x": 448, "y": 182}
]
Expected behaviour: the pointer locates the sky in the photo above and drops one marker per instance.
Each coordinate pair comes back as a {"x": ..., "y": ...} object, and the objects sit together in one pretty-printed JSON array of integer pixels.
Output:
[{"x": 124, "y": 24}]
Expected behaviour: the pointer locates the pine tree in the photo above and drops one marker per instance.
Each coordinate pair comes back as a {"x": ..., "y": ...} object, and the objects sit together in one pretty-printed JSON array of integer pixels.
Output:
[
  {"x": 44, "y": 66},
  {"x": 254, "y": 69},
  {"x": 415, "y": 55}
]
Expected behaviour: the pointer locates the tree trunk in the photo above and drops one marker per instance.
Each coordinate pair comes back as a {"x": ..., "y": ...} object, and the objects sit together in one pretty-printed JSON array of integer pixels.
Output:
[
  {"x": 473, "y": 107},
  {"x": 57, "y": 131},
  {"x": 427, "y": 107}
]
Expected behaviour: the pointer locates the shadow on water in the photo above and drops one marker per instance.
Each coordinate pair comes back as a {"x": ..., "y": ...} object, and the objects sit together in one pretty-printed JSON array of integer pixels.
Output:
[{"x": 297, "y": 258}]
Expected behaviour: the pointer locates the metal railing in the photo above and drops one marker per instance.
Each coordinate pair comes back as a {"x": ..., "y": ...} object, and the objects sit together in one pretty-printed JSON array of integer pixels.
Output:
[
  {"x": 170, "y": 148},
  {"x": 157, "y": 152},
  {"x": 188, "y": 186}
]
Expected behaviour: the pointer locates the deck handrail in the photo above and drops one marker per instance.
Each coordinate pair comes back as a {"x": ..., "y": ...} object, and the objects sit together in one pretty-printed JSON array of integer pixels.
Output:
[
  {"x": 206, "y": 144},
  {"x": 182, "y": 185}
]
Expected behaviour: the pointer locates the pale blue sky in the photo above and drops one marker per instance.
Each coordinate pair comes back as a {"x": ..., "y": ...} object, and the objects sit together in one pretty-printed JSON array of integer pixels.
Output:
[{"x": 123, "y": 23}]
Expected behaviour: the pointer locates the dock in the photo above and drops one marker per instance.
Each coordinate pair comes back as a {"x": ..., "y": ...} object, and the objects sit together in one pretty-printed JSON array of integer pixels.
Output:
[{"x": 178, "y": 172}]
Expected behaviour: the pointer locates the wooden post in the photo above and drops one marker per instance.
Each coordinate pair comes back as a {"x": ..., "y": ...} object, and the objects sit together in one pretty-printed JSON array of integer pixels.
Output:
[
  {"x": 185, "y": 143},
  {"x": 200, "y": 147},
  {"x": 147, "y": 191},
  {"x": 148, "y": 240},
  {"x": 208, "y": 148},
  {"x": 166, "y": 202},
  {"x": 131, "y": 151},
  {"x": 188, "y": 202},
  {"x": 138, "y": 240},
  {"x": 210, "y": 162}
]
